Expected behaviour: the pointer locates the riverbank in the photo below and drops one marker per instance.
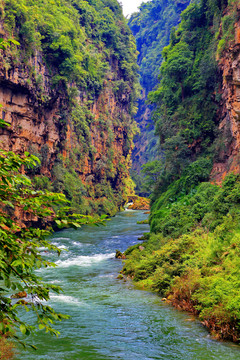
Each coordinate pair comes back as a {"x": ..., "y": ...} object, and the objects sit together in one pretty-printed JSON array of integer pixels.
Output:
[
  {"x": 111, "y": 319},
  {"x": 138, "y": 203},
  {"x": 192, "y": 256}
]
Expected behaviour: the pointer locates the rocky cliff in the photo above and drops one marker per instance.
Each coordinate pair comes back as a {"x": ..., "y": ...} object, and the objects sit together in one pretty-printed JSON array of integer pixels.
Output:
[
  {"x": 151, "y": 27},
  {"x": 191, "y": 255},
  {"x": 71, "y": 105},
  {"x": 229, "y": 62}
]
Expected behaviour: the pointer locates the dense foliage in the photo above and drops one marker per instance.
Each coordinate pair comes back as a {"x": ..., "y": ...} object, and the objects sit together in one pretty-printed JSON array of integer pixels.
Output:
[
  {"x": 76, "y": 37},
  {"x": 187, "y": 98},
  {"x": 151, "y": 27},
  {"x": 89, "y": 52},
  {"x": 20, "y": 242},
  {"x": 192, "y": 255}
]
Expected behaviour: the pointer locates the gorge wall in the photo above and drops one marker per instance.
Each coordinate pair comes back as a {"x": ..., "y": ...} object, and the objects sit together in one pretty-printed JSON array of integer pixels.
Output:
[
  {"x": 229, "y": 125},
  {"x": 152, "y": 27},
  {"x": 68, "y": 92},
  {"x": 196, "y": 103},
  {"x": 191, "y": 256}
]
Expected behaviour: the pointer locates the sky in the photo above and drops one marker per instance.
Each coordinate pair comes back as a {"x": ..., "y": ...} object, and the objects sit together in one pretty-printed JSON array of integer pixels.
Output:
[{"x": 130, "y": 6}]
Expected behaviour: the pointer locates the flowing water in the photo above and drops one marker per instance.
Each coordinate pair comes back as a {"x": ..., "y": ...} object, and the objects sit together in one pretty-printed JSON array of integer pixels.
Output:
[{"x": 110, "y": 319}]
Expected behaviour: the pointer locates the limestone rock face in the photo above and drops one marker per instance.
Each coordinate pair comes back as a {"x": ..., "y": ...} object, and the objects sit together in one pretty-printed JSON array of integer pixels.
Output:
[
  {"x": 40, "y": 119},
  {"x": 151, "y": 27},
  {"x": 229, "y": 114},
  {"x": 34, "y": 123}
]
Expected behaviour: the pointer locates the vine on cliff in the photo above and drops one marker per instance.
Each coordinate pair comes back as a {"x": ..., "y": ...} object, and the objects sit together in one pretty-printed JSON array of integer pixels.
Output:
[
  {"x": 82, "y": 55},
  {"x": 151, "y": 27},
  {"x": 187, "y": 97},
  {"x": 192, "y": 253}
]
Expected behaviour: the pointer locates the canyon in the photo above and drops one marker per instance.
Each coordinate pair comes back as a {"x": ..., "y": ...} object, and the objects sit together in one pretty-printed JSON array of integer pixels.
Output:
[
  {"x": 80, "y": 130},
  {"x": 229, "y": 112}
]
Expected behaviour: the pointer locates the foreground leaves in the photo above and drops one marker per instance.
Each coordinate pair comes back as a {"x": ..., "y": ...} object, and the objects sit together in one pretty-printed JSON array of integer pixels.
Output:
[{"x": 20, "y": 286}]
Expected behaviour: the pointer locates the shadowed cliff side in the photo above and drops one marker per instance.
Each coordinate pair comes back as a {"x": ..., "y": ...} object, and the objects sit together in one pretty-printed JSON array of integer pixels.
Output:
[{"x": 152, "y": 27}]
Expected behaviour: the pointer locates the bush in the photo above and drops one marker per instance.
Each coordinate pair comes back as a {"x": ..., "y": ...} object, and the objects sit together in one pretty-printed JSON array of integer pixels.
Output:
[
  {"x": 19, "y": 248},
  {"x": 193, "y": 259}
]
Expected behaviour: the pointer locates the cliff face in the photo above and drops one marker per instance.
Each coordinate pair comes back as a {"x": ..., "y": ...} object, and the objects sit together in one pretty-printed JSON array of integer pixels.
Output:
[
  {"x": 33, "y": 123},
  {"x": 81, "y": 130},
  {"x": 194, "y": 224},
  {"x": 36, "y": 124},
  {"x": 229, "y": 126},
  {"x": 151, "y": 27}
]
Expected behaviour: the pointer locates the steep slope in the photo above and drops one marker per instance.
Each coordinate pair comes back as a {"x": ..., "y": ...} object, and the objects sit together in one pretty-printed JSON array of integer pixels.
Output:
[
  {"x": 68, "y": 92},
  {"x": 151, "y": 27},
  {"x": 192, "y": 253},
  {"x": 229, "y": 62}
]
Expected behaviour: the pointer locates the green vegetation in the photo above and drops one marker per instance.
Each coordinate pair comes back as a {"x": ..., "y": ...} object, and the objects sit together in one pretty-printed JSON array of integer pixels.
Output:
[
  {"x": 151, "y": 27},
  {"x": 192, "y": 255},
  {"x": 187, "y": 98},
  {"x": 76, "y": 38},
  {"x": 227, "y": 28},
  {"x": 152, "y": 171},
  {"x": 20, "y": 245},
  {"x": 89, "y": 53},
  {"x": 186, "y": 106}
]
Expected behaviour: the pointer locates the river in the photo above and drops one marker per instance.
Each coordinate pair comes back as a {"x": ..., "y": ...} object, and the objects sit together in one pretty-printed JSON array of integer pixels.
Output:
[{"x": 110, "y": 319}]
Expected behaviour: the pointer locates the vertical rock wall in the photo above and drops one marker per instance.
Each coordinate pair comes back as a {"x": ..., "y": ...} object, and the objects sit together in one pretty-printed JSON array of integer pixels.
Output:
[
  {"x": 229, "y": 114},
  {"x": 83, "y": 136}
]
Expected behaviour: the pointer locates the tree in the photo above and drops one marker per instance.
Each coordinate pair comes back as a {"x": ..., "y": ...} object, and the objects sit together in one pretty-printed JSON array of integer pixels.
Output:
[
  {"x": 19, "y": 244},
  {"x": 178, "y": 64},
  {"x": 152, "y": 171}
]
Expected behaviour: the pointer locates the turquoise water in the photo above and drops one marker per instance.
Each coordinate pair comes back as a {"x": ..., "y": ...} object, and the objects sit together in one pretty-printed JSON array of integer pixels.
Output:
[{"x": 110, "y": 319}]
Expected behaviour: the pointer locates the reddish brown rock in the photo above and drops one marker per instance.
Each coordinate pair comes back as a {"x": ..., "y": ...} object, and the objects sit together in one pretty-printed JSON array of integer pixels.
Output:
[
  {"x": 37, "y": 126},
  {"x": 139, "y": 203},
  {"x": 19, "y": 295},
  {"x": 229, "y": 114}
]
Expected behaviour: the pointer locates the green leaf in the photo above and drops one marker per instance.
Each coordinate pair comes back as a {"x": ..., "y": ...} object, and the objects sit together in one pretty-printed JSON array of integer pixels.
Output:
[
  {"x": 15, "y": 42},
  {"x": 13, "y": 286},
  {"x": 38, "y": 263},
  {"x": 76, "y": 225},
  {"x": 17, "y": 262},
  {"x": 23, "y": 329},
  {"x": 7, "y": 283},
  {"x": 26, "y": 308}
]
